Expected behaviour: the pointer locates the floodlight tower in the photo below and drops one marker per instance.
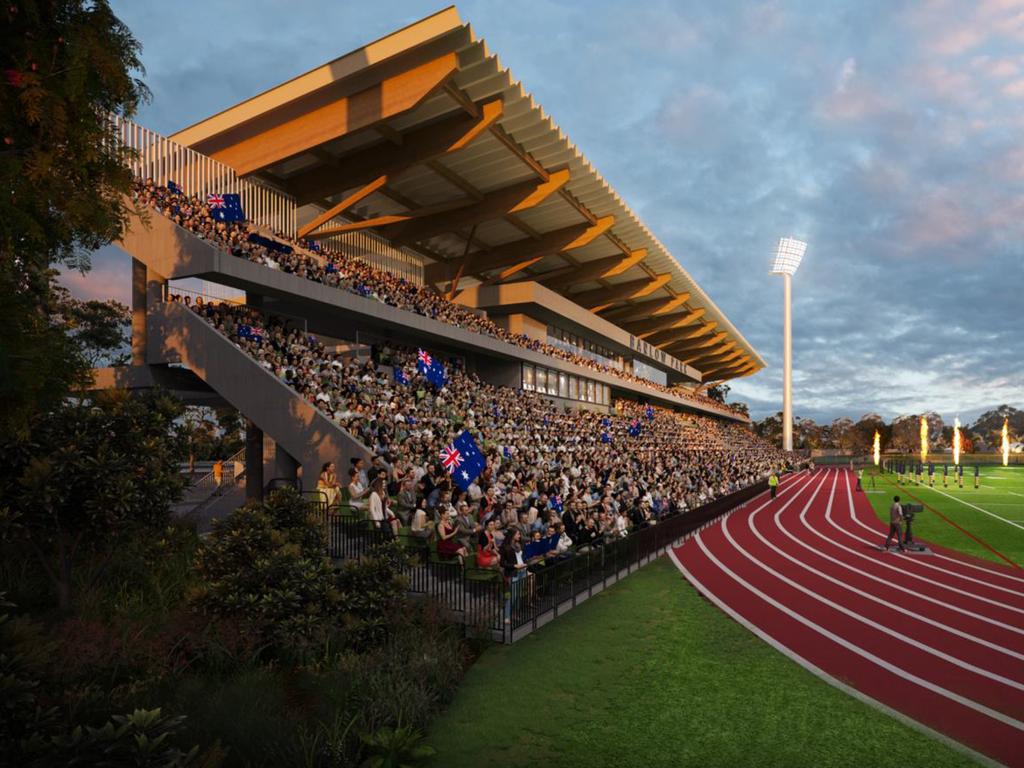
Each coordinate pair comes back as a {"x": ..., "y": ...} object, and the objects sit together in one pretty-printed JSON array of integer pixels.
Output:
[{"x": 788, "y": 255}]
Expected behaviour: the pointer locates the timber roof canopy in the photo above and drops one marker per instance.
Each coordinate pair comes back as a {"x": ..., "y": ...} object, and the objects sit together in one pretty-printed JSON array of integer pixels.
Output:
[{"x": 423, "y": 137}]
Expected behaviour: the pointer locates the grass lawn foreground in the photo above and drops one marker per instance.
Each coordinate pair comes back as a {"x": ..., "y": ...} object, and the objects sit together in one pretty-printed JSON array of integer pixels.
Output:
[{"x": 648, "y": 673}]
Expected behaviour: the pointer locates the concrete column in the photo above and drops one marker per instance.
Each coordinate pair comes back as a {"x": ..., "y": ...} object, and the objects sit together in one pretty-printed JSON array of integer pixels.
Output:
[
  {"x": 139, "y": 304},
  {"x": 253, "y": 461},
  {"x": 278, "y": 463}
]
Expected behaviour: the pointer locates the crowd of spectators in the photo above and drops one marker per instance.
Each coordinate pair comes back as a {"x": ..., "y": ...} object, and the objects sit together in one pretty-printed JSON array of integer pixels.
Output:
[
  {"x": 355, "y": 275},
  {"x": 580, "y": 475}
]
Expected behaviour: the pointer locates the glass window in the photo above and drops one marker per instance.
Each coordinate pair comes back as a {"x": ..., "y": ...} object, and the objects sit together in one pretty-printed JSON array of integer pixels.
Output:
[
  {"x": 574, "y": 388},
  {"x": 528, "y": 377},
  {"x": 590, "y": 391},
  {"x": 563, "y": 385},
  {"x": 542, "y": 380},
  {"x": 553, "y": 382}
]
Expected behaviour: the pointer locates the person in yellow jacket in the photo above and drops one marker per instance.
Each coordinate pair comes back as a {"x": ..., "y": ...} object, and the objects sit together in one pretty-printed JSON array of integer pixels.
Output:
[{"x": 773, "y": 483}]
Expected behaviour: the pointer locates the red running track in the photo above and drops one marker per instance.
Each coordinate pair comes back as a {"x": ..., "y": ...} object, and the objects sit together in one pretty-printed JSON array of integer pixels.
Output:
[{"x": 936, "y": 640}]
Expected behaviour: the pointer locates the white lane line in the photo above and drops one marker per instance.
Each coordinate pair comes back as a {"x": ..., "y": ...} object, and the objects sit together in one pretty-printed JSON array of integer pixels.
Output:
[
  {"x": 820, "y": 673},
  {"x": 856, "y": 649},
  {"x": 904, "y": 572},
  {"x": 860, "y": 592},
  {"x": 954, "y": 660},
  {"x": 989, "y": 571},
  {"x": 972, "y": 506},
  {"x": 896, "y": 585},
  {"x": 1016, "y": 494}
]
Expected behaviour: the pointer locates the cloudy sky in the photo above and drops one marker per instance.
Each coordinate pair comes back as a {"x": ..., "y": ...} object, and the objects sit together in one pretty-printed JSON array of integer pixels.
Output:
[{"x": 886, "y": 133}]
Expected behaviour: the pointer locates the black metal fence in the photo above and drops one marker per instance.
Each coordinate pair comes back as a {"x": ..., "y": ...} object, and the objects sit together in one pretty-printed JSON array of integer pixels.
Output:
[{"x": 509, "y": 609}]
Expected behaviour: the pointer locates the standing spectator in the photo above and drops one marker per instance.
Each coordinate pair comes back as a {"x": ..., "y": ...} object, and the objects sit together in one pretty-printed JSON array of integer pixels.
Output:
[
  {"x": 773, "y": 483},
  {"x": 380, "y": 507}
]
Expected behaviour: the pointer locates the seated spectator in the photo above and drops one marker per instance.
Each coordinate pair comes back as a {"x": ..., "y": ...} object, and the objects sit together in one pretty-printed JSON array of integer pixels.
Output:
[
  {"x": 356, "y": 490},
  {"x": 328, "y": 484},
  {"x": 422, "y": 527},
  {"x": 448, "y": 545},
  {"x": 487, "y": 555}
]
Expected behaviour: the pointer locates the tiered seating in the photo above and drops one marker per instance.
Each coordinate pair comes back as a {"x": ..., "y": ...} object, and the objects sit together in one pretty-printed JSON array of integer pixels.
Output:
[
  {"x": 344, "y": 272},
  {"x": 591, "y": 477}
]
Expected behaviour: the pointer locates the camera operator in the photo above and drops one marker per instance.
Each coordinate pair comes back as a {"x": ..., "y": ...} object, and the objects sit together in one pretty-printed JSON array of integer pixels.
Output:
[{"x": 895, "y": 524}]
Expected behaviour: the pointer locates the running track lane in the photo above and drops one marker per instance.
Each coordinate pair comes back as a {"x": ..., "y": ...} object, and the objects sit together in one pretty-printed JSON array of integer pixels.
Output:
[{"x": 935, "y": 640}]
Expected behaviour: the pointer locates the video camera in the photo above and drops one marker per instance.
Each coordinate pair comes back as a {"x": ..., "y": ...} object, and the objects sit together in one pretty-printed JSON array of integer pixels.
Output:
[{"x": 909, "y": 510}]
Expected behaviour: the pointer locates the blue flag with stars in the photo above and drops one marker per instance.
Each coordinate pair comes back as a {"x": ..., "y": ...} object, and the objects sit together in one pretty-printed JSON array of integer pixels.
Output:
[
  {"x": 225, "y": 207},
  {"x": 463, "y": 460},
  {"x": 431, "y": 368},
  {"x": 605, "y": 437},
  {"x": 400, "y": 376},
  {"x": 635, "y": 428},
  {"x": 650, "y": 413}
]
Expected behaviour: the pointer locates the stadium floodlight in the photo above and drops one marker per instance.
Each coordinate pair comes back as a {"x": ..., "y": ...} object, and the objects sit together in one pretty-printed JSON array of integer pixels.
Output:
[{"x": 788, "y": 255}]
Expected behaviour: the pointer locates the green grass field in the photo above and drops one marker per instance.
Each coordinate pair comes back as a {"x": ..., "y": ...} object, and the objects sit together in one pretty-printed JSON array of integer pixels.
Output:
[
  {"x": 648, "y": 673},
  {"x": 993, "y": 512}
]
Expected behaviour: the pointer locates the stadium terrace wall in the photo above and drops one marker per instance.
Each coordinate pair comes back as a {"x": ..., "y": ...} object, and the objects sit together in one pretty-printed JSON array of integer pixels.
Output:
[{"x": 167, "y": 251}]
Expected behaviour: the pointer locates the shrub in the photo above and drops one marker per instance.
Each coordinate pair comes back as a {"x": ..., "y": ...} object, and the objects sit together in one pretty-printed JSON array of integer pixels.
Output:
[{"x": 266, "y": 566}]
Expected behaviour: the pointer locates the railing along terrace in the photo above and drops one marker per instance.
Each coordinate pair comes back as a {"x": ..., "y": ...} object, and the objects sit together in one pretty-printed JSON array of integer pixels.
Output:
[
  {"x": 483, "y": 599},
  {"x": 162, "y": 160}
]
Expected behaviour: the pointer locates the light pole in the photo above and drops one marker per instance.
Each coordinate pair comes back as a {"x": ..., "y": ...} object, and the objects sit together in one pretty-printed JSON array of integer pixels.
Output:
[{"x": 788, "y": 255}]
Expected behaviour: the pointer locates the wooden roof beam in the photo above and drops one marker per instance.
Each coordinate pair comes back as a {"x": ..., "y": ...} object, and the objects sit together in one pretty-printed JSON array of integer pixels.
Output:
[
  {"x": 594, "y": 270},
  {"x": 519, "y": 253},
  {"x": 684, "y": 333},
  {"x": 276, "y": 136},
  {"x": 513, "y": 199},
  {"x": 634, "y": 289},
  {"x": 650, "y": 325},
  {"x": 644, "y": 309},
  {"x": 715, "y": 357},
  {"x": 697, "y": 344},
  {"x": 389, "y": 159}
]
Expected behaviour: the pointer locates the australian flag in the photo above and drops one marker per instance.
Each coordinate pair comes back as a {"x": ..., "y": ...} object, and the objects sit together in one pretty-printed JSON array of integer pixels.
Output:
[
  {"x": 605, "y": 437},
  {"x": 606, "y": 422},
  {"x": 463, "y": 460},
  {"x": 174, "y": 189},
  {"x": 431, "y": 368},
  {"x": 650, "y": 413},
  {"x": 555, "y": 502},
  {"x": 400, "y": 376},
  {"x": 225, "y": 207},
  {"x": 635, "y": 428}
]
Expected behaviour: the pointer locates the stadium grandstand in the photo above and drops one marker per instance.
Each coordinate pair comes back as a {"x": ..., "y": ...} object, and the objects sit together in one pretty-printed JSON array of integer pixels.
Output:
[{"x": 398, "y": 251}]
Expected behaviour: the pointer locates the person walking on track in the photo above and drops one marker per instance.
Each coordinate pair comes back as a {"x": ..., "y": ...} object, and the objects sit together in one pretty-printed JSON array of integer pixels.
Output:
[
  {"x": 773, "y": 483},
  {"x": 860, "y": 479},
  {"x": 895, "y": 524}
]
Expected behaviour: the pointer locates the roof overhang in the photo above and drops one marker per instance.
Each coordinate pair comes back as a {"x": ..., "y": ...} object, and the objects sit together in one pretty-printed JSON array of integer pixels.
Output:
[{"x": 425, "y": 138}]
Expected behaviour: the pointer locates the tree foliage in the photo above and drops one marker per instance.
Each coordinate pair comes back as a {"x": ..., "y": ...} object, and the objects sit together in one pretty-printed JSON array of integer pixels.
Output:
[
  {"x": 65, "y": 67},
  {"x": 266, "y": 566},
  {"x": 87, "y": 474}
]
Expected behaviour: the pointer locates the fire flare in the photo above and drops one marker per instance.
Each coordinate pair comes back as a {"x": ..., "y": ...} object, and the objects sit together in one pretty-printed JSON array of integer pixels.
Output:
[
  {"x": 877, "y": 446},
  {"x": 924, "y": 440},
  {"x": 956, "y": 442},
  {"x": 1006, "y": 442}
]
